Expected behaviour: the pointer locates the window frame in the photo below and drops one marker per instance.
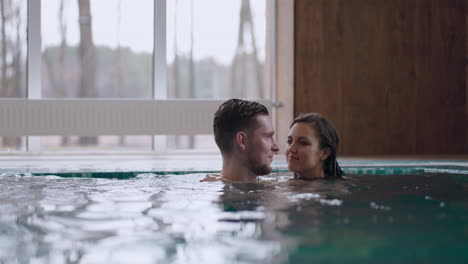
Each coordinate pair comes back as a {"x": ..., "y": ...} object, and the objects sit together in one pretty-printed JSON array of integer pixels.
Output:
[{"x": 159, "y": 76}]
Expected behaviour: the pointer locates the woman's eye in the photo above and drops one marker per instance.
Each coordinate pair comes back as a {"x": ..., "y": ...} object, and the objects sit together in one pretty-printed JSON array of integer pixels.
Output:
[
  {"x": 304, "y": 143},
  {"x": 289, "y": 142}
]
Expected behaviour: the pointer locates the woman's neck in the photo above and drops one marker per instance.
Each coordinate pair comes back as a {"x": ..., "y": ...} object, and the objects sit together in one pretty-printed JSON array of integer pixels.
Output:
[{"x": 314, "y": 173}]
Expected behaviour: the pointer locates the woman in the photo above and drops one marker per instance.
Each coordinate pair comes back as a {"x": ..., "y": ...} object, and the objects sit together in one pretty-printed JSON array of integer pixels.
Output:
[{"x": 311, "y": 149}]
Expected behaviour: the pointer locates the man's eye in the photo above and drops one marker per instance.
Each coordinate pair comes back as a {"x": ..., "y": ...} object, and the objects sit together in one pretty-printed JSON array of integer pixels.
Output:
[
  {"x": 289, "y": 142},
  {"x": 304, "y": 143}
]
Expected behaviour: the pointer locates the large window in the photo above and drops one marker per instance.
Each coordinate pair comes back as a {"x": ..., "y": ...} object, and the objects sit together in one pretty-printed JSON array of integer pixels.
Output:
[
  {"x": 91, "y": 49},
  {"x": 97, "y": 49},
  {"x": 215, "y": 49},
  {"x": 13, "y": 54}
]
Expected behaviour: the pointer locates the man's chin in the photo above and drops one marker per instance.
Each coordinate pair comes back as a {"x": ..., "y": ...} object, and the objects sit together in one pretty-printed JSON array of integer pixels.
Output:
[{"x": 263, "y": 170}]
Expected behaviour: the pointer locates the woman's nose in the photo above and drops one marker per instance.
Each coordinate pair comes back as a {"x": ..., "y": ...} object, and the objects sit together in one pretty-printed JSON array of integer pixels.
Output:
[{"x": 291, "y": 148}]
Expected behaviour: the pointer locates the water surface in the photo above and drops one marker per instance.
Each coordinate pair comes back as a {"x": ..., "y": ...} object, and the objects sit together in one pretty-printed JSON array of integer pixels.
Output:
[{"x": 178, "y": 219}]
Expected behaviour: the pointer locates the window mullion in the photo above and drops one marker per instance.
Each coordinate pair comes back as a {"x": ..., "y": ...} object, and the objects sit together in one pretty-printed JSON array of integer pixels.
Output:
[
  {"x": 271, "y": 53},
  {"x": 159, "y": 64},
  {"x": 34, "y": 62}
]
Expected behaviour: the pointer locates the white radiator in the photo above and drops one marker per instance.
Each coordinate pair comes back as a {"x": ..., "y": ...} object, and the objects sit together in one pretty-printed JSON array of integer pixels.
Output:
[{"x": 92, "y": 117}]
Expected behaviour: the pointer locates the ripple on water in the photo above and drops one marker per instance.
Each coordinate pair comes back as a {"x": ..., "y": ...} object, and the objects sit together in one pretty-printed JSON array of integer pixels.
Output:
[{"x": 178, "y": 219}]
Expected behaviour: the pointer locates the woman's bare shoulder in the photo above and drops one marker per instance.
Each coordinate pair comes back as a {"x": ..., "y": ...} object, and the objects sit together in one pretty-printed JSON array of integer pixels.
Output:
[
  {"x": 347, "y": 178},
  {"x": 212, "y": 178}
]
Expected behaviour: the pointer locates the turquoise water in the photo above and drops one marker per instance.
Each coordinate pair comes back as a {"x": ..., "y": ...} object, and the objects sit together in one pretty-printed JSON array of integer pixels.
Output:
[
  {"x": 126, "y": 174},
  {"x": 129, "y": 217}
]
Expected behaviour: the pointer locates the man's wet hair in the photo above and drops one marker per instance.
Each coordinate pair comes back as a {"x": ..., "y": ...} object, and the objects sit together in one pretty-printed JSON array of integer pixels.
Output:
[{"x": 233, "y": 116}]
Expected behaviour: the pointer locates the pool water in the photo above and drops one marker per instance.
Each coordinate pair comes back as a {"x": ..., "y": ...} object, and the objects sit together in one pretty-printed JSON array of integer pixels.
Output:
[{"x": 175, "y": 218}]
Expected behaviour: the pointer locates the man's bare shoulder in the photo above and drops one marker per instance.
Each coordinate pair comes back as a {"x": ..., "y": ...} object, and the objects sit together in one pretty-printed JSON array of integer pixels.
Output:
[{"x": 212, "y": 178}]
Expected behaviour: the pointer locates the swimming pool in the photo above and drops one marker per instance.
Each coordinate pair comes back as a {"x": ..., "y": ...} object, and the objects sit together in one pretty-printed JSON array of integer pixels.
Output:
[{"x": 88, "y": 215}]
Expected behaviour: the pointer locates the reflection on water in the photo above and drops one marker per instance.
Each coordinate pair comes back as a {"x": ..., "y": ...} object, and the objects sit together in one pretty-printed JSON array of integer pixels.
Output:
[{"x": 178, "y": 219}]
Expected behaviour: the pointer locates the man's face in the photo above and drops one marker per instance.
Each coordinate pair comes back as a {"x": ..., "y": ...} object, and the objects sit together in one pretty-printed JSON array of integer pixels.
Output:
[{"x": 261, "y": 146}]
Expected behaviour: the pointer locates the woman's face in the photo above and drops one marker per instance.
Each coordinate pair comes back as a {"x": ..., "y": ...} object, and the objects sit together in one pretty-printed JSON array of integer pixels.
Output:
[{"x": 303, "y": 151}]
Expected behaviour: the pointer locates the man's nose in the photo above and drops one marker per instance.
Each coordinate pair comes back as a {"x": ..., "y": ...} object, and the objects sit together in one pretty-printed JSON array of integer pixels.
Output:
[{"x": 275, "y": 147}]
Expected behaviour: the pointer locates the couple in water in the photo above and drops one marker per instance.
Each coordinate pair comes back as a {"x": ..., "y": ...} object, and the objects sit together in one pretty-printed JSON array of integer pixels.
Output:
[{"x": 245, "y": 137}]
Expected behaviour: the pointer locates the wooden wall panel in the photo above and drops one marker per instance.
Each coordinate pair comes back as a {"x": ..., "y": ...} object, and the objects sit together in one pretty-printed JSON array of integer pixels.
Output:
[
  {"x": 389, "y": 74},
  {"x": 466, "y": 72},
  {"x": 317, "y": 88}
]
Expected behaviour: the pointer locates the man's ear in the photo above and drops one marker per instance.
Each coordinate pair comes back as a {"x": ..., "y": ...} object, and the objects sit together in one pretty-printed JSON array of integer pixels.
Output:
[
  {"x": 325, "y": 153},
  {"x": 241, "y": 140}
]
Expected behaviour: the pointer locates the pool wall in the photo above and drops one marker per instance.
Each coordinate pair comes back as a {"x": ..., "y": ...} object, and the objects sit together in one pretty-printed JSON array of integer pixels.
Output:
[{"x": 124, "y": 167}]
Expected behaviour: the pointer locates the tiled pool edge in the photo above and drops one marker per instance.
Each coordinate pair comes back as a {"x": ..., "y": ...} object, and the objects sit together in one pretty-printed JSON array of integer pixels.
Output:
[
  {"x": 128, "y": 168},
  {"x": 347, "y": 170}
]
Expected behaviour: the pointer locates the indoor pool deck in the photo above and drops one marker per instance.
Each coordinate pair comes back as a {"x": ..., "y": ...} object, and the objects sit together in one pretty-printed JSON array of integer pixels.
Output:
[{"x": 126, "y": 166}]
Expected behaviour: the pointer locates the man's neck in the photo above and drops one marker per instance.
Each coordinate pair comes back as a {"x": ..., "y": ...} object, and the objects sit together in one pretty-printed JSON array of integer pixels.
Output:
[{"x": 235, "y": 170}]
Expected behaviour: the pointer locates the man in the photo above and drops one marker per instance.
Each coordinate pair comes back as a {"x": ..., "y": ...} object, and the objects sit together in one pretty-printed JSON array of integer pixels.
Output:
[{"x": 244, "y": 135}]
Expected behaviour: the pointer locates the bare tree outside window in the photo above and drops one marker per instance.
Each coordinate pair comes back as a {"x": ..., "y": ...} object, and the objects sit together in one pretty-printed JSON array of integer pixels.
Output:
[
  {"x": 97, "y": 49},
  {"x": 87, "y": 59},
  {"x": 13, "y": 48},
  {"x": 215, "y": 54},
  {"x": 208, "y": 50},
  {"x": 246, "y": 69},
  {"x": 12, "y": 59},
  {"x": 104, "y": 49}
]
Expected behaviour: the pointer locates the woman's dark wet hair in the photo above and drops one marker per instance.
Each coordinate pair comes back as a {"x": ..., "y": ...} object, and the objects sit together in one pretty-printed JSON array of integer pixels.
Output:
[
  {"x": 233, "y": 116},
  {"x": 328, "y": 138}
]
